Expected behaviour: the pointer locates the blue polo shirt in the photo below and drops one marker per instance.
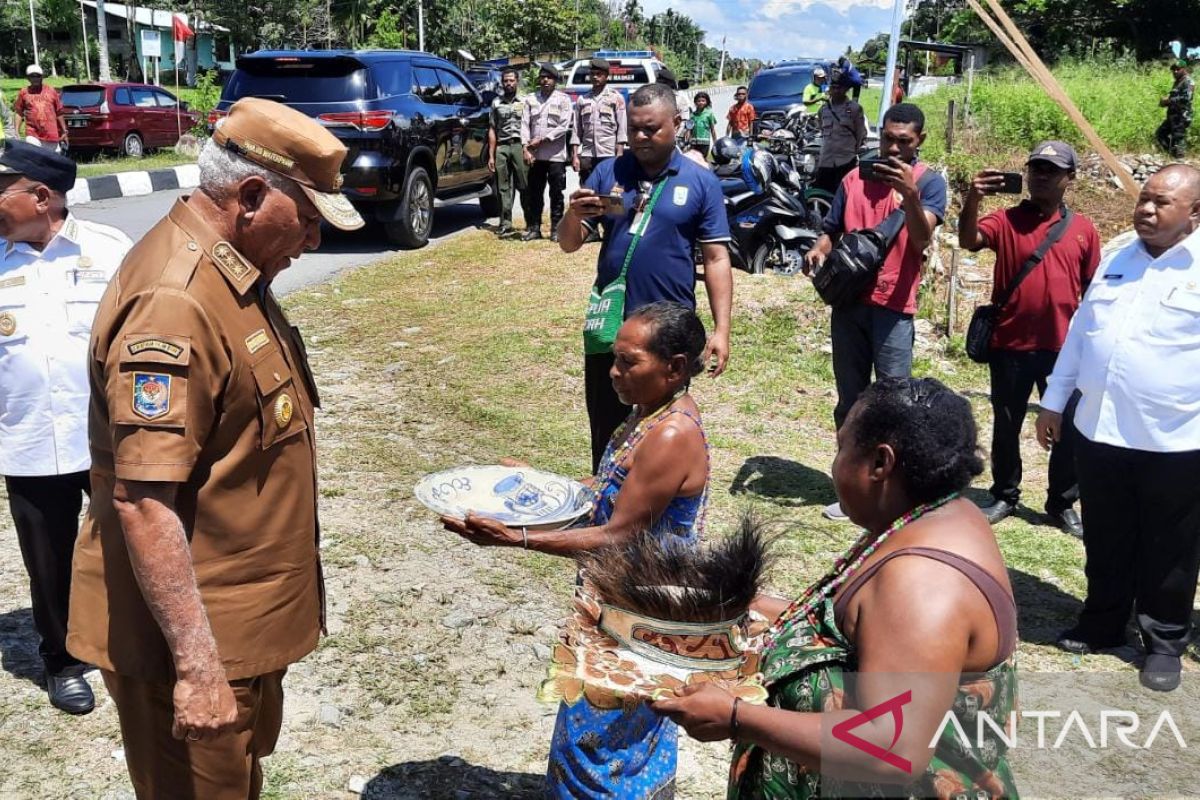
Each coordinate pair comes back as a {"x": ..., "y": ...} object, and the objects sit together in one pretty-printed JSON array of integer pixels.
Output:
[{"x": 690, "y": 209}]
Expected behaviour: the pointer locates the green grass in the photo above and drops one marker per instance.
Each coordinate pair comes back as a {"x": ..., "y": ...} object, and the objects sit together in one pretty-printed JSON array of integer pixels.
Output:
[{"x": 106, "y": 164}]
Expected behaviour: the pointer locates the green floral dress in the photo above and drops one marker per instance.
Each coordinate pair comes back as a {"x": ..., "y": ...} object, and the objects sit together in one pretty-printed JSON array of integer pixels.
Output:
[{"x": 805, "y": 669}]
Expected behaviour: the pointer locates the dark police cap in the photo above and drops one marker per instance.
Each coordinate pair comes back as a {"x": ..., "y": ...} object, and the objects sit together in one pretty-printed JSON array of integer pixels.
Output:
[
  {"x": 600, "y": 64},
  {"x": 667, "y": 78},
  {"x": 37, "y": 164},
  {"x": 548, "y": 69}
]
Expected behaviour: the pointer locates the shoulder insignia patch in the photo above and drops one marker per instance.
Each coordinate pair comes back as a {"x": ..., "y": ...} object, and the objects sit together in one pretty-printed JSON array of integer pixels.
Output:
[
  {"x": 257, "y": 341},
  {"x": 8, "y": 324},
  {"x": 173, "y": 350},
  {"x": 9, "y": 283},
  {"x": 230, "y": 260},
  {"x": 151, "y": 394}
]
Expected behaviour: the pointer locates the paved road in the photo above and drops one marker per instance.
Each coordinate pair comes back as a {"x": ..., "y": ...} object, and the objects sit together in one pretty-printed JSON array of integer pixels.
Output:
[{"x": 339, "y": 251}]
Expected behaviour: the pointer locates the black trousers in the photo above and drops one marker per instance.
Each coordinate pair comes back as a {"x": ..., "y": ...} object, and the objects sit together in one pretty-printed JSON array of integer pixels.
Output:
[
  {"x": 1141, "y": 523},
  {"x": 605, "y": 410},
  {"x": 45, "y": 510},
  {"x": 829, "y": 178},
  {"x": 1014, "y": 374},
  {"x": 541, "y": 173}
]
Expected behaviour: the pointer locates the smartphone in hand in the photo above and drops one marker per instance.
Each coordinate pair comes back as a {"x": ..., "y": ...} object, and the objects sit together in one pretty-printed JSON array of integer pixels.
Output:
[
  {"x": 1013, "y": 183},
  {"x": 866, "y": 167},
  {"x": 614, "y": 204}
]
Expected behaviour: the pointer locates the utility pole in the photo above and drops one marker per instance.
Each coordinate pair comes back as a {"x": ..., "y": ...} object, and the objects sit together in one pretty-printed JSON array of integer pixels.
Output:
[
  {"x": 698, "y": 75},
  {"x": 33, "y": 33},
  {"x": 421, "y": 25},
  {"x": 329, "y": 24},
  {"x": 87, "y": 56},
  {"x": 102, "y": 67},
  {"x": 721, "y": 68},
  {"x": 889, "y": 75},
  {"x": 577, "y": 28}
]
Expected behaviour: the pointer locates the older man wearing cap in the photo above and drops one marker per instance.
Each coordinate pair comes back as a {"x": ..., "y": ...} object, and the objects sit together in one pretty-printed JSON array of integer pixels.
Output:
[
  {"x": 40, "y": 108},
  {"x": 546, "y": 123},
  {"x": 600, "y": 122},
  {"x": 1037, "y": 298},
  {"x": 53, "y": 270},
  {"x": 197, "y": 573}
]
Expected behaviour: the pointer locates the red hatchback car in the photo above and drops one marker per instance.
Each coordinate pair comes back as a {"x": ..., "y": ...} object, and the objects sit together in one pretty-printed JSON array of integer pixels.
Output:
[{"x": 127, "y": 117}]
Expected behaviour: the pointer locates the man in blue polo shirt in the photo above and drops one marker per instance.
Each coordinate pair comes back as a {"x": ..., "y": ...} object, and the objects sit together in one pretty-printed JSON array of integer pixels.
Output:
[{"x": 689, "y": 209}]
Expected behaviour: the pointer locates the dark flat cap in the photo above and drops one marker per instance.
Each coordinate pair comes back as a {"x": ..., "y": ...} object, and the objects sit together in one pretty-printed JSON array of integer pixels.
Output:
[
  {"x": 600, "y": 64},
  {"x": 548, "y": 69},
  {"x": 665, "y": 76},
  {"x": 37, "y": 164}
]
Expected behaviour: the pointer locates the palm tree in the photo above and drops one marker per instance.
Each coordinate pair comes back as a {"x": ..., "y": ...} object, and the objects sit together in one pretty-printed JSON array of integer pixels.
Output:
[{"x": 102, "y": 36}]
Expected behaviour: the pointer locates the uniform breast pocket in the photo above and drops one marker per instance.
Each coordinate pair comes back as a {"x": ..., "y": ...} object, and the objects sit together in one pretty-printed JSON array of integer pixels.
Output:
[
  {"x": 1101, "y": 300},
  {"x": 82, "y": 302},
  {"x": 1177, "y": 321},
  {"x": 14, "y": 318},
  {"x": 277, "y": 399}
]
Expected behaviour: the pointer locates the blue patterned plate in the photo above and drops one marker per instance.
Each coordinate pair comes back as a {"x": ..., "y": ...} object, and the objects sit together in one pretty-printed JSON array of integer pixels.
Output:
[{"x": 516, "y": 496}]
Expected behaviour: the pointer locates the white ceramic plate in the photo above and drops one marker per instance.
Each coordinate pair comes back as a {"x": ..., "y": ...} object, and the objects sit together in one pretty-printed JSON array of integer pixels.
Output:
[{"x": 516, "y": 496}]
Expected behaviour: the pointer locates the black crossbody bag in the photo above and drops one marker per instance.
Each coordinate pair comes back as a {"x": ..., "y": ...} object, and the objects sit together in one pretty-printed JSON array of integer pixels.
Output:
[
  {"x": 856, "y": 259},
  {"x": 983, "y": 321}
]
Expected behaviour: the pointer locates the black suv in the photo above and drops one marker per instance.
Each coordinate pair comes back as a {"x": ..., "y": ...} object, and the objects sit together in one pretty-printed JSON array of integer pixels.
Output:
[{"x": 415, "y": 126}]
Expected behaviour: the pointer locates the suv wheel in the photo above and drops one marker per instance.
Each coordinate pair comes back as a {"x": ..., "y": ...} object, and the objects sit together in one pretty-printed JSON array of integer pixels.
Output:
[
  {"x": 411, "y": 228},
  {"x": 132, "y": 146}
]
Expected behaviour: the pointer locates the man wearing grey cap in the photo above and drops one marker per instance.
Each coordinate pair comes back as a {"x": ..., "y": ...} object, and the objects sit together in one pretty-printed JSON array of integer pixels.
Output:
[
  {"x": 53, "y": 270},
  {"x": 1031, "y": 324},
  {"x": 600, "y": 122}
]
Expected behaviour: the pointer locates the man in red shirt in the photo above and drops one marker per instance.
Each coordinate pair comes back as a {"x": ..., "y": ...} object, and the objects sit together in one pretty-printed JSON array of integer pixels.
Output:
[
  {"x": 741, "y": 116},
  {"x": 41, "y": 109},
  {"x": 1032, "y": 325},
  {"x": 876, "y": 333}
]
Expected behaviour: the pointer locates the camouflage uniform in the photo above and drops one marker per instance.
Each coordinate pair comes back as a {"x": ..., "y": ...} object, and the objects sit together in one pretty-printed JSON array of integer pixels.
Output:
[
  {"x": 1172, "y": 134},
  {"x": 510, "y": 162}
]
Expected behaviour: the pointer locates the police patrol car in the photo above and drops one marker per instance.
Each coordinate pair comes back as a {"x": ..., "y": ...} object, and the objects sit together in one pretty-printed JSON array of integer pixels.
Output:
[{"x": 630, "y": 71}]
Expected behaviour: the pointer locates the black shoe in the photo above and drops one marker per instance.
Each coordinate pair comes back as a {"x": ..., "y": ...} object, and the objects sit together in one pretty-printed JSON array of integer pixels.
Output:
[
  {"x": 554, "y": 235},
  {"x": 507, "y": 233},
  {"x": 998, "y": 511},
  {"x": 531, "y": 235},
  {"x": 1067, "y": 521},
  {"x": 1160, "y": 672},
  {"x": 69, "y": 692},
  {"x": 1073, "y": 641},
  {"x": 592, "y": 237}
]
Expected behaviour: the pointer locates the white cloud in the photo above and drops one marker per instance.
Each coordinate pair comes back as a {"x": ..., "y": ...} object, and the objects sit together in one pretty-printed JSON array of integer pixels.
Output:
[{"x": 779, "y": 29}]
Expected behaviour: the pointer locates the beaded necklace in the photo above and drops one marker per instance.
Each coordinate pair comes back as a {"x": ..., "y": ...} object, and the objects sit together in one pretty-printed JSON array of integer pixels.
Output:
[
  {"x": 844, "y": 568},
  {"x": 616, "y": 455}
]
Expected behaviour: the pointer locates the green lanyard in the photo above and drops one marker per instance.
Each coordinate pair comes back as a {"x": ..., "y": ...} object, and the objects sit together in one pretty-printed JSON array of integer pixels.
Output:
[{"x": 641, "y": 228}]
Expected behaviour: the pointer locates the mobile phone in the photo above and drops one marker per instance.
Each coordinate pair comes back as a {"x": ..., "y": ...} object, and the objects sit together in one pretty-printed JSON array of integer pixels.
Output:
[
  {"x": 1013, "y": 183},
  {"x": 867, "y": 165},
  {"x": 614, "y": 204}
]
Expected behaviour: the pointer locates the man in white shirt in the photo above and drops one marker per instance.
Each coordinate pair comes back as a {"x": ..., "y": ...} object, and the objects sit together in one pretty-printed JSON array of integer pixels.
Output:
[
  {"x": 1133, "y": 352},
  {"x": 53, "y": 270}
]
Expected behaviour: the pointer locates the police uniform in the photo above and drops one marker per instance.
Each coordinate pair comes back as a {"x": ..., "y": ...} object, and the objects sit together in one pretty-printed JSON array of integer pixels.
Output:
[
  {"x": 549, "y": 119},
  {"x": 511, "y": 171},
  {"x": 1172, "y": 134},
  {"x": 198, "y": 379},
  {"x": 600, "y": 125},
  {"x": 48, "y": 298}
]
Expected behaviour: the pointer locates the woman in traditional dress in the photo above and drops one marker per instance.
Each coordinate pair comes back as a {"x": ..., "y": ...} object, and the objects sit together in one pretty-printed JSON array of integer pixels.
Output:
[
  {"x": 912, "y": 631},
  {"x": 654, "y": 476}
]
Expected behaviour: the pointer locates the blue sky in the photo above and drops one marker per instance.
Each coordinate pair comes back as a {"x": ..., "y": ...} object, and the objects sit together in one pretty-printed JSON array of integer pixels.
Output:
[{"x": 777, "y": 29}]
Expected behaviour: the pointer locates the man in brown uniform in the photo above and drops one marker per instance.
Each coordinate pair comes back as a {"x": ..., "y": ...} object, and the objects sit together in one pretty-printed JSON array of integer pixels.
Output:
[{"x": 197, "y": 578}]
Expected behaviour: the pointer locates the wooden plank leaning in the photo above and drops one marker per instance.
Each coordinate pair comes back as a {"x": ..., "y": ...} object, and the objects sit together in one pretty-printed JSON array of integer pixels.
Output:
[{"x": 1018, "y": 45}]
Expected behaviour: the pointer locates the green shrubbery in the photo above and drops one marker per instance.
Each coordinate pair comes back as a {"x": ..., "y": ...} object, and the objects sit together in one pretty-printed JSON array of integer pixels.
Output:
[{"x": 1010, "y": 111}]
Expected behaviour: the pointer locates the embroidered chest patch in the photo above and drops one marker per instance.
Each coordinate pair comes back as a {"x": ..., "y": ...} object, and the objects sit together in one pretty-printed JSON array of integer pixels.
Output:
[{"x": 151, "y": 394}]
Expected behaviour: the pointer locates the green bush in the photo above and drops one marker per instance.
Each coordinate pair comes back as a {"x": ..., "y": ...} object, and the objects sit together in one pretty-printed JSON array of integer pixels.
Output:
[{"x": 204, "y": 98}]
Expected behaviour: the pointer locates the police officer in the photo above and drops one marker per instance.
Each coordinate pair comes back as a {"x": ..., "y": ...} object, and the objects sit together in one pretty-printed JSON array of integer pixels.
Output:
[
  {"x": 546, "y": 122},
  {"x": 197, "y": 576},
  {"x": 1172, "y": 134},
  {"x": 600, "y": 122},
  {"x": 505, "y": 151},
  {"x": 53, "y": 270}
]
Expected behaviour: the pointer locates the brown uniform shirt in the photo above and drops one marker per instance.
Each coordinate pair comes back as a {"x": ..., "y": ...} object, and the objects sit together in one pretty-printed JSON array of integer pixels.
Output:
[{"x": 198, "y": 379}]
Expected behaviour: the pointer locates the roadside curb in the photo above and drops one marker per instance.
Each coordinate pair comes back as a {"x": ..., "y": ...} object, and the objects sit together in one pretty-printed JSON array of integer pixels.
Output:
[{"x": 131, "y": 184}]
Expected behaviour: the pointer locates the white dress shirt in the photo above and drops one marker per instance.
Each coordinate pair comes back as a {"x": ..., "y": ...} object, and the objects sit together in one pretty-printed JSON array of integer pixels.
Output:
[
  {"x": 1133, "y": 351},
  {"x": 47, "y": 301}
]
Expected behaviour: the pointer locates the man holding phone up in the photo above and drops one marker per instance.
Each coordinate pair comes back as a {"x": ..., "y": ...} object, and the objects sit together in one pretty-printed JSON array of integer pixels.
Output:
[
  {"x": 876, "y": 333},
  {"x": 1031, "y": 326}
]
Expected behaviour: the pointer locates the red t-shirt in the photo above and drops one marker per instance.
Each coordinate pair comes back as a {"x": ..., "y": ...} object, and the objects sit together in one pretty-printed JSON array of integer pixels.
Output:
[
  {"x": 868, "y": 203},
  {"x": 1037, "y": 315},
  {"x": 40, "y": 110}
]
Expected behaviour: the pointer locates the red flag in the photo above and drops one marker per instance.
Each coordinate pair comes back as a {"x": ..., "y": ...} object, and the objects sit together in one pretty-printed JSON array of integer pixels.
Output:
[{"x": 180, "y": 29}]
